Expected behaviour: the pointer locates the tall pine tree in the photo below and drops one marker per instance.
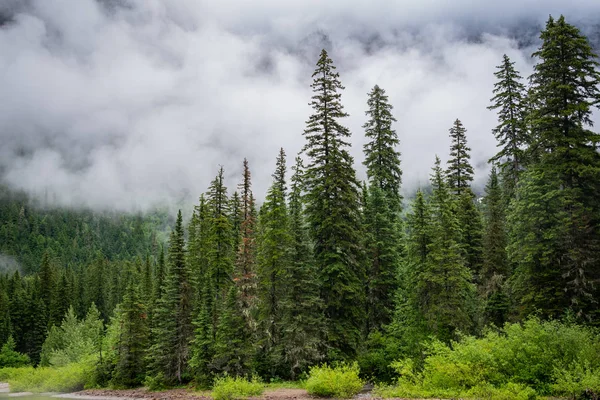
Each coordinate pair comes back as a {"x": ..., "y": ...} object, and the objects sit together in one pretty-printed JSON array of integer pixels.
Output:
[{"x": 332, "y": 209}]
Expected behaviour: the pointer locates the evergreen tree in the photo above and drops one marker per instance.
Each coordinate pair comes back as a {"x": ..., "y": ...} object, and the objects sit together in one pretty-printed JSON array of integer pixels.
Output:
[
  {"x": 173, "y": 330},
  {"x": 333, "y": 214},
  {"x": 221, "y": 254},
  {"x": 130, "y": 367},
  {"x": 460, "y": 171},
  {"x": 301, "y": 307},
  {"x": 564, "y": 89},
  {"x": 48, "y": 290},
  {"x": 444, "y": 286},
  {"x": 382, "y": 207},
  {"x": 274, "y": 259},
  {"x": 5, "y": 325},
  {"x": 511, "y": 132},
  {"x": 381, "y": 157},
  {"x": 495, "y": 263},
  {"x": 246, "y": 252},
  {"x": 471, "y": 227},
  {"x": 232, "y": 348}
]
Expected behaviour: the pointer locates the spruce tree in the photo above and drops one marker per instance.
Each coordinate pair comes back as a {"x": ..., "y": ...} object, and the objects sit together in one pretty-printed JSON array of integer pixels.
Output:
[
  {"x": 471, "y": 231},
  {"x": 301, "y": 308},
  {"x": 382, "y": 209},
  {"x": 381, "y": 157},
  {"x": 564, "y": 89},
  {"x": 274, "y": 259},
  {"x": 333, "y": 214},
  {"x": 495, "y": 269},
  {"x": 460, "y": 171},
  {"x": 246, "y": 252},
  {"x": 173, "y": 330},
  {"x": 130, "y": 368},
  {"x": 511, "y": 133},
  {"x": 444, "y": 286},
  {"x": 48, "y": 290},
  {"x": 232, "y": 347}
]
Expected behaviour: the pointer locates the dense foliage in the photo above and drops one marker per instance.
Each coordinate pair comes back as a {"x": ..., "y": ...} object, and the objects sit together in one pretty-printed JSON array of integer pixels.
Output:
[{"x": 327, "y": 270}]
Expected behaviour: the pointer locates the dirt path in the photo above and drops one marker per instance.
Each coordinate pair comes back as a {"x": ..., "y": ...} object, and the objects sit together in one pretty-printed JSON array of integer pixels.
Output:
[{"x": 180, "y": 394}]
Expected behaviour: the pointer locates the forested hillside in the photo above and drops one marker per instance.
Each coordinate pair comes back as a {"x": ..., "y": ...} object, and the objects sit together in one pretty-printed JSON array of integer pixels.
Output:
[
  {"x": 328, "y": 268},
  {"x": 28, "y": 229}
]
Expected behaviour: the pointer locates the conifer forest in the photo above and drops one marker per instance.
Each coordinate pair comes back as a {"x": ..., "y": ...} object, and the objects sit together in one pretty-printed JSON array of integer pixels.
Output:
[{"x": 444, "y": 291}]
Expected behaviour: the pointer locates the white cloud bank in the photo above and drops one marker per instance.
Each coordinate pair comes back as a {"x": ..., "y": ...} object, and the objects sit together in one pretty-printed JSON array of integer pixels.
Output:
[{"x": 129, "y": 104}]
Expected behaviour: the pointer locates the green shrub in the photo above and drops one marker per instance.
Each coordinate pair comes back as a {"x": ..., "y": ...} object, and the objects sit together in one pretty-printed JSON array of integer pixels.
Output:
[
  {"x": 342, "y": 381},
  {"x": 69, "y": 378},
  {"x": 578, "y": 381},
  {"x": 519, "y": 362},
  {"x": 230, "y": 388},
  {"x": 10, "y": 358},
  {"x": 155, "y": 383}
]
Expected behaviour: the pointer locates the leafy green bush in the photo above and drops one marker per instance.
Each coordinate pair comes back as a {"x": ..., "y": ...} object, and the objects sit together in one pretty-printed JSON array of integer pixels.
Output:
[
  {"x": 519, "y": 362},
  {"x": 10, "y": 358},
  {"x": 342, "y": 381},
  {"x": 74, "y": 341},
  {"x": 68, "y": 378},
  {"x": 230, "y": 388}
]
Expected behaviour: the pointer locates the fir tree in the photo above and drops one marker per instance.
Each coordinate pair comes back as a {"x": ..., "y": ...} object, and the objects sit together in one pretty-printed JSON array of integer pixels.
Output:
[
  {"x": 131, "y": 349},
  {"x": 332, "y": 211},
  {"x": 48, "y": 290},
  {"x": 460, "y": 171},
  {"x": 173, "y": 330},
  {"x": 471, "y": 227},
  {"x": 246, "y": 252},
  {"x": 511, "y": 132},
  {"x": 381, "y": 208},
  {"x": 232, "y": 348},
  {"x": 444, "y": 286},
  {"x": 495, "y": 270},
  {"x": 301, "y": 307},
  {"x": 565, "y": 88},
  {"x": 381, "y": 157}
]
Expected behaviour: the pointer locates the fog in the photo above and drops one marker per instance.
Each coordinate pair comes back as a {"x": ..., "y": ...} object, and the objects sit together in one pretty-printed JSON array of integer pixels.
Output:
[{"x": 128, "y": 105}]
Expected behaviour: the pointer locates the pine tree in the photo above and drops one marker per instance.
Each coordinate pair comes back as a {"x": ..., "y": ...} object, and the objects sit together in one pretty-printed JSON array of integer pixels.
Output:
[
  {"x": 130, "y": 366},
  {"x": 460, "y": 171},
  {"x": 495, "y": 263},
  {"x": 471, "y": 227},
  {"x": 5, "y": 325},
  {"x": 221, "y": 254},
  {"x": 511, "y": 133},
  {"x": 381, "y": 157},
  {"x": 173, "y": 330},
  {"x": 382, "y": 207},
  {"x": 444, "y": 286},
  {"x": 232, "y": 348},
  {"x": 332, "y": 211},
  {"x": 48, "y": 290},
  {"x": 274, "y": 259},
  {"x": 246, "y": 252},
  {"x": 301, "y": 307},
  {"x": 564, "y": 89}
]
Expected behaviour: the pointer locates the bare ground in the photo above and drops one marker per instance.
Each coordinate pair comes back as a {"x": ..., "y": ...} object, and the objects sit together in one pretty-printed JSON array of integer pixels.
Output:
[{"x": 181, "y": 394}]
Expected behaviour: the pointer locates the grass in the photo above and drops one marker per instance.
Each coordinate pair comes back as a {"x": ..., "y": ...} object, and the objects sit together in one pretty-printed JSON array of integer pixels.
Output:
[
  {"x": 230, "y": 388},
  {"x": 342, "y": 381},
  {"x": 70, "y": 378}
]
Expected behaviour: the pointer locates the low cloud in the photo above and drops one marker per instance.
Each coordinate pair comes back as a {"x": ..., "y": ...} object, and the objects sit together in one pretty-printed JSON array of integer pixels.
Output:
[{"x": 135, "y": 103}]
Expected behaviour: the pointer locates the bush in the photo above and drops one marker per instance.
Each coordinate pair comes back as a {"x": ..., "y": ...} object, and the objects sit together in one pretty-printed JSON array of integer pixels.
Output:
[
  {"x": 342, "y": 381},
  {"x": 230, "y": 388},
  {"x": 70, "y": 378},
  {"x": 10, "y": 358},
  {"x": 520, "y": 362}
]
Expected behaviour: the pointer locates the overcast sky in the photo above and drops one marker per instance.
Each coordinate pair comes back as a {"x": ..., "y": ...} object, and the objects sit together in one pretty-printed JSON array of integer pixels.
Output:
[{"x": 131, "y": 104}]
